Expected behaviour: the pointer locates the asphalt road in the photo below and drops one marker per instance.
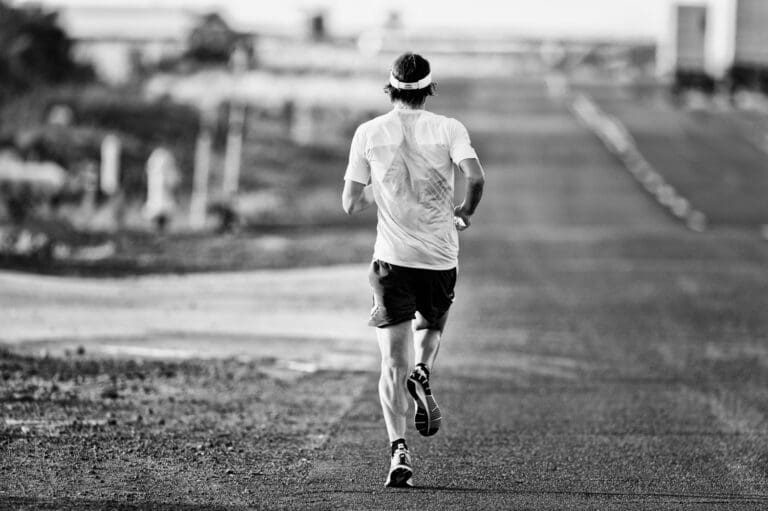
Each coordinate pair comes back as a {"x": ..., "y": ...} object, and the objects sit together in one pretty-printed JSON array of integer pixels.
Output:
[{"x": 599, "y": 355}]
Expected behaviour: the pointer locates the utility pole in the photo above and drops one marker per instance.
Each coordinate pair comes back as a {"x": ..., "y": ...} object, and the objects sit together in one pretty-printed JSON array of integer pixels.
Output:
[
  {"x": 203, "y": 148},
  {"x": 234, "y": 152}
]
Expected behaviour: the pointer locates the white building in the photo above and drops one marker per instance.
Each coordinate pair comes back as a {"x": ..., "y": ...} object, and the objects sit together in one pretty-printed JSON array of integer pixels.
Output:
[{"x": 735, "y": 32}]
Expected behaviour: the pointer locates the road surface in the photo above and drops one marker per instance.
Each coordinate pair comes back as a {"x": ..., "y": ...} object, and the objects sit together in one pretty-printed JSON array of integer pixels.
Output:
[{"x": 599, "y": 355}]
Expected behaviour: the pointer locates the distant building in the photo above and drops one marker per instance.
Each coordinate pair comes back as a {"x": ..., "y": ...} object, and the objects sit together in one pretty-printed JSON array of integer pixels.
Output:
[
  {"x": 116, "y": 40},
  {"x": 213, "y": 40}
]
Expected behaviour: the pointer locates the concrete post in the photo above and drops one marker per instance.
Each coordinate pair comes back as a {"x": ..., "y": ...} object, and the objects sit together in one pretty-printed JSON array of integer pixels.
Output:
[{"x": 109, "y": 177}]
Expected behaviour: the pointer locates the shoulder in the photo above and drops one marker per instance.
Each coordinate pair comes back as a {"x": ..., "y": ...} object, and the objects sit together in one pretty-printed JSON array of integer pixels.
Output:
[
  {"x": 372, "y": 124},
  {"x": 448, "y": 123},
  {"x": 455, "y": 124}
]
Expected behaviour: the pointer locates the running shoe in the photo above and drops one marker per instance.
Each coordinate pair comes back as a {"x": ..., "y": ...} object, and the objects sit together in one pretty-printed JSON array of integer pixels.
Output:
[
  {"x": 428, "y": 416},
  {"x": 400, "y": 469}
]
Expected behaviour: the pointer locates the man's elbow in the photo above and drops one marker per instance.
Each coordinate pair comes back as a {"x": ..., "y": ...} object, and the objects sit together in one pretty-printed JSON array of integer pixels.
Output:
[
  {"x": 473, "y": 171},
  {"x": 348, "y": 206},
  {"x": 477, "y": 180}
]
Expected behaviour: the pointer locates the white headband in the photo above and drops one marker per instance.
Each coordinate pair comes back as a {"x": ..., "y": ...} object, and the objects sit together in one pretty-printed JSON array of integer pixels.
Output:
[{"x": 397, "y": 84}]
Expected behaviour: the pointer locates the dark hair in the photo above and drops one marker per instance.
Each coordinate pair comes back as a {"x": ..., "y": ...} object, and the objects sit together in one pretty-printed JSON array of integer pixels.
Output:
[{"x": 410, "y": 67}]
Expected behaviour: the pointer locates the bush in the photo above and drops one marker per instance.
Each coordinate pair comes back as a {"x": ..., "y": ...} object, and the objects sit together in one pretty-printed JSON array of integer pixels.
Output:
[
  {"x": 748, "y": 77},
  {"x": 141, "y": 125}
]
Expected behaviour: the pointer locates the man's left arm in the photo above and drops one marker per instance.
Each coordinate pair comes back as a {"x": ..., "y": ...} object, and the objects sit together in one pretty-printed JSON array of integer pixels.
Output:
[{"x": 356, "y": 197}]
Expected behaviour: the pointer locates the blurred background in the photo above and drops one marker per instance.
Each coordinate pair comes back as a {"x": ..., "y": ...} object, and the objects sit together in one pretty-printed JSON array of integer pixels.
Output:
[
  {"x": 609, "y": 334},
  {"x": 134, "y": 134}
]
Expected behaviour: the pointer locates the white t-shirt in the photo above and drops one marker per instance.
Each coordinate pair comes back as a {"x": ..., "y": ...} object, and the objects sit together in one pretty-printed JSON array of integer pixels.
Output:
[{"x": 408, "y": 157}]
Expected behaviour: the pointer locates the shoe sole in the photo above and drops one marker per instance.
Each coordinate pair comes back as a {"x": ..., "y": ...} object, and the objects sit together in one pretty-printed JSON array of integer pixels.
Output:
[
  {"x": 400, "y": 477},
  {"x": 428, "y": 417}
]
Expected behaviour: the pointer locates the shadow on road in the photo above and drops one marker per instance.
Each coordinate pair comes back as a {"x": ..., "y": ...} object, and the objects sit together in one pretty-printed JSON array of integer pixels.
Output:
[{"x": 84, "y": 504}]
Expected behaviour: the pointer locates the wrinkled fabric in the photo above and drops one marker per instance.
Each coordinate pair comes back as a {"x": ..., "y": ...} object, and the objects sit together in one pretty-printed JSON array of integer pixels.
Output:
[{"x": 408, "y": 156}]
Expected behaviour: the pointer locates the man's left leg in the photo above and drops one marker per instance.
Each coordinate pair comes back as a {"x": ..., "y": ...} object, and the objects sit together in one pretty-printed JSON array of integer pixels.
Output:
[{"x": 394, "y": 343}]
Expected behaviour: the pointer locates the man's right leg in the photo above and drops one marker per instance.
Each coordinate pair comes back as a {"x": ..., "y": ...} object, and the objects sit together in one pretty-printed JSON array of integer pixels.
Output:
[
  {"x": 426, "y": 338},
  {"x": 427, "y": 343},
  {"x": 432, "y": 313}
]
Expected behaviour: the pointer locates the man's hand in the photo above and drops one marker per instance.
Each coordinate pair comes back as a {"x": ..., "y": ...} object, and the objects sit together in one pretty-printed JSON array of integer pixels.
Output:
[{"x": 461, "y": 218}]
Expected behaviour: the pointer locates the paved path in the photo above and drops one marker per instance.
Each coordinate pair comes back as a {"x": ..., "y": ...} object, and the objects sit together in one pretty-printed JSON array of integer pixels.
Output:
[
  {"x": 307, "y": 318},
  {"x": 599, "y": 356}
]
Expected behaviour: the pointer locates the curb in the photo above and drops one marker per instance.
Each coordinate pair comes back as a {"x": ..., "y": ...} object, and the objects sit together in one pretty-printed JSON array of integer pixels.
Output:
[{"x": 619, "y": 142}]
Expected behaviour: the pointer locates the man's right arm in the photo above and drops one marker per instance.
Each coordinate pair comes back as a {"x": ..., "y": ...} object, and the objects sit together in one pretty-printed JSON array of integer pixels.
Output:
[{"x": 475, "y": 176}]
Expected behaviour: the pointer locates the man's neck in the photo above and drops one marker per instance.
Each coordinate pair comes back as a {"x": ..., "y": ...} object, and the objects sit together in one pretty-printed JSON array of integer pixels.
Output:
[{"x": 399, "y": 105}]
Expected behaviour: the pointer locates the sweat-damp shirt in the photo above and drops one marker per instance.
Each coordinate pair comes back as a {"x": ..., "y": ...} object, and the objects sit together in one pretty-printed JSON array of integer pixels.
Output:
[{"x": 408, "y": 156}]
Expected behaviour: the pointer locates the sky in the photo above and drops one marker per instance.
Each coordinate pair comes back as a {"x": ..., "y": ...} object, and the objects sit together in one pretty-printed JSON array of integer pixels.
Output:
[{"x": 576, "y": 18}]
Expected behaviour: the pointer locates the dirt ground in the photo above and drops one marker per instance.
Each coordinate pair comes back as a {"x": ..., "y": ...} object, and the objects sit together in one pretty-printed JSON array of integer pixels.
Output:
[
  {"x": 270, "y": 247},
  {"x": 85, "y": 432}
]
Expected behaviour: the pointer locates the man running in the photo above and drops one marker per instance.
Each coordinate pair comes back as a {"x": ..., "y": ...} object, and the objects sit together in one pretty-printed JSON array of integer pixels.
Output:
[{"x": 403, "y": 162}]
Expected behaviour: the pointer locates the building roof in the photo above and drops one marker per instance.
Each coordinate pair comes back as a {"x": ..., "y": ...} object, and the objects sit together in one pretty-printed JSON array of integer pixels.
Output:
[{"x": 128, "y": 23}]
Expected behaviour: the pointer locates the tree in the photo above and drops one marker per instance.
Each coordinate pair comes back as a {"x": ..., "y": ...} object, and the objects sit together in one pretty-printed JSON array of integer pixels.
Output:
[{"x": 34, "y": 50}]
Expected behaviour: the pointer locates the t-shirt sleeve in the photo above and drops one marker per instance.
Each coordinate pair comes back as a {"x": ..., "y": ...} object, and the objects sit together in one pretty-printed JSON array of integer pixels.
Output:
[
  {"x": 461, "y": 147},
  {"x": 358, "y": 169}
]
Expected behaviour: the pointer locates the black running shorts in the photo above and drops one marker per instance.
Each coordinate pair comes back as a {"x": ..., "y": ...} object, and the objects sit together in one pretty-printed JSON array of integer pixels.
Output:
[{"x": 400, "y": 292}]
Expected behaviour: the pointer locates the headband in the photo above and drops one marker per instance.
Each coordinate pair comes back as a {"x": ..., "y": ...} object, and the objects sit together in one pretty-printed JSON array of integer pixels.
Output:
[{"x": 397, "y": 84}]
